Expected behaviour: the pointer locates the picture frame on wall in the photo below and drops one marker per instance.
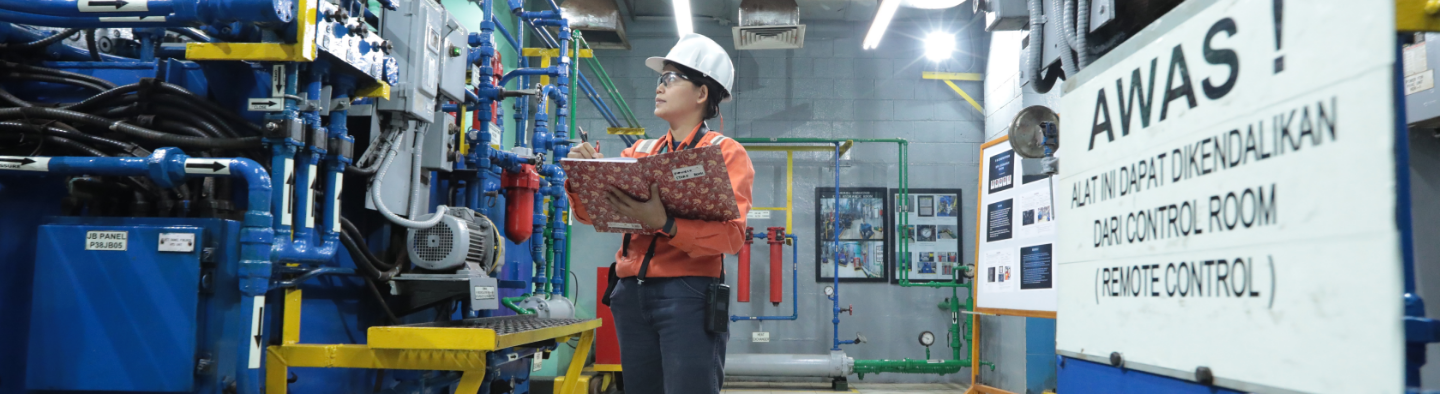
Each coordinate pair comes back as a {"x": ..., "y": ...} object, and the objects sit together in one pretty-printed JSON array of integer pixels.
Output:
[
  {"x": 933, "y": 235},
  {"x": 862, "y": 250}
]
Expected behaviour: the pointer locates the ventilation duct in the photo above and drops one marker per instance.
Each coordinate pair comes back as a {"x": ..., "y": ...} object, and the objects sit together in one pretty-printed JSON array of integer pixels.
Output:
[
  {"x": 599, "y": 21},
  {"x": 769, "y": 24}
]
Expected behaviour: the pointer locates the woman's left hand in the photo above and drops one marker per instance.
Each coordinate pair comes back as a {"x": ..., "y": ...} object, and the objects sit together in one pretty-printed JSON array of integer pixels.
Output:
[{"x": 650, "y": 213}]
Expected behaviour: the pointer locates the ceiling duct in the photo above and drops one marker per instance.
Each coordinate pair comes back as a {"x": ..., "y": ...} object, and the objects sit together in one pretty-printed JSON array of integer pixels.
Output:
[
  {"x": 599, "y": 21},
  {"x": 769, "y": 24}
]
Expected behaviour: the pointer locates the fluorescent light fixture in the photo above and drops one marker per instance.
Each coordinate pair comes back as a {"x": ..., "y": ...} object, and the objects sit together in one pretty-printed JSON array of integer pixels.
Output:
[
  {"x": 939, "y": 45},
  {"x": 683, "y": 23},
  {"x": 882, "y": 22}
]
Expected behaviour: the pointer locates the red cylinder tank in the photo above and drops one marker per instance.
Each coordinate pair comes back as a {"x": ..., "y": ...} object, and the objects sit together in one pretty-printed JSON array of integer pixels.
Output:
[
  {"x": 742, "y": 284},
  {"x": 520, "y": 190},
  {"x": 777, "y": 256}
]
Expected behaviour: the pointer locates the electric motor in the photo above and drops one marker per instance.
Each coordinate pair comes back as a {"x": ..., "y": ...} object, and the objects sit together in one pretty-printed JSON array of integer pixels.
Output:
[{"x": 461, "y": 237}]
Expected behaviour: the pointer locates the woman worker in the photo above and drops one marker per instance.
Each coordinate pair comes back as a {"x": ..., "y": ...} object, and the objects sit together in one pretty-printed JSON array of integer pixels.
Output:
[{"x": 664, "y": 344}]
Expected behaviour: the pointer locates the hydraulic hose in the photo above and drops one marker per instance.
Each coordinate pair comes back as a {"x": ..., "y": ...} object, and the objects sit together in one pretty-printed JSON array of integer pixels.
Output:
[
  {"x": 92, "y": 45},
  {"x": 376, "y": 186},
  {"x": 132, "y": 130},
  {"x": 187, "y": 118},
  {"x": 13, "y": 101},
  {"x": 181, "y": 128},
  {"x": 103, "y": 97},
  {"x": 193, "y": 111},
  {"x": 60, "y": 132},
  {"x": 43, "y": 42},
  {"x": 44, "y": 70},
  {"x": 74, "y": 146},
  {"x": 53, "y": 79},
  {"x": 355, "y": 234}
]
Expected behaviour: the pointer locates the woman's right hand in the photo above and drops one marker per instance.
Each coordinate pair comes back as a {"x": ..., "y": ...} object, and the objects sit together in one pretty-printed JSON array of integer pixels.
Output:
[{"x": 585, "y": 151}]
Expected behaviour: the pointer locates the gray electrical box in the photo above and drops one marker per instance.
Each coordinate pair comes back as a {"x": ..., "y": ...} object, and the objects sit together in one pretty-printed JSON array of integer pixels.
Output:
[
  {"x": 417, "y": 32},
  {"x": 440, "y": 143},
  {"x": 395, "y": 189},
  {"x": 1005, "y": 14},
  {"x": 1422, "y": 101},
  {"x": 456, "y": 55}
]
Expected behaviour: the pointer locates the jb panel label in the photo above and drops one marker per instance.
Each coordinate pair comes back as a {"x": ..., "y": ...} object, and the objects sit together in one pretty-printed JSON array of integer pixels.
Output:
[
  {"x": 106, "y": 240},
  {"x": 1222, "y": 170}
]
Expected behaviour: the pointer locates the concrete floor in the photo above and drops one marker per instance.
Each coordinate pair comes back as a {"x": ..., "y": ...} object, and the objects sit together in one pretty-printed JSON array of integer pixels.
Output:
[{"x": 823, "y": 388}]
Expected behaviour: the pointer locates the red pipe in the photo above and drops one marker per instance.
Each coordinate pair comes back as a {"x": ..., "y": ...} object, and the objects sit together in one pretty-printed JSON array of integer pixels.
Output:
[
  {"x": 777, "y": 247},
  {"x": 743, "y": 286},
  {"x": 520, "y": 202}
]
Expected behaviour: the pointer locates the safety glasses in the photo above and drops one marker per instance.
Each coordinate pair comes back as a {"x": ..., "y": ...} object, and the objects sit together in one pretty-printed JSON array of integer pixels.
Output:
[{"x": 668, "y": 77}]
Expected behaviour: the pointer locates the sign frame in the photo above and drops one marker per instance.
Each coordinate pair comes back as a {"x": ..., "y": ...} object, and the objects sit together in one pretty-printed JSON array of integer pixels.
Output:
[
  {"x": 981, "y": 228},
  {"x": 902, "y": 236},
  {"x": 822, "y": 268}
]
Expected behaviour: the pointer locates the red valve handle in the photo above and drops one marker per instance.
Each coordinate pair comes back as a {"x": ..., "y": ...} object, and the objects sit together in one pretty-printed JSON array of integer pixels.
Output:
[{"x": 850, "y": 309}]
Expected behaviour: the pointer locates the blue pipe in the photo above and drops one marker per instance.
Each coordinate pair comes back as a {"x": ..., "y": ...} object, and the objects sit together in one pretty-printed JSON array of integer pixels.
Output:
[
  {"x": 306, "y": 245},
  {"x": 174, "y": 13},
  {"x": 794, "y": 280},
  {"x": 167, "y": 168},
  {"x": 599, "y": 103},
  {"x": 835, "y": 254},
  {"x": 550, "y": 71},
  {"x": 505, "y": 32},
  {"x": 90, "y": 22}
]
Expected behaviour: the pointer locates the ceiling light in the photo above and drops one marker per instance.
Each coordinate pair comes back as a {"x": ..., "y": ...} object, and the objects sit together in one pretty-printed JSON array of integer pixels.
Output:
[
  {"x": 939, "y": 45},
  {"x": 932, "y": 4},
  {"x": 683, "y": 22},
  {"x": 882, "y": 22}
]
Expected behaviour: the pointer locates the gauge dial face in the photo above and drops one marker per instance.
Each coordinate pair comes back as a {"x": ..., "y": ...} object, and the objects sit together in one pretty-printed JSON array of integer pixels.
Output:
[
  {"x": 829, "y": 291},
  {"x": 927, "y": 338}
]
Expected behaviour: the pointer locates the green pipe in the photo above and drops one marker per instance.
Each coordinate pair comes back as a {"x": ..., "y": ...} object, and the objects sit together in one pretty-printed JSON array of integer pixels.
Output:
[
  {"x": 575, "y": 82},
  {"x": 609, "y": 86},
  {"x": 510, "y": 303},
  {"x": 938, "y": 367}
]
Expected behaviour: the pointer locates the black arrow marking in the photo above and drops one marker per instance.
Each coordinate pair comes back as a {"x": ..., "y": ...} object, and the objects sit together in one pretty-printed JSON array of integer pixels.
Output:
[
  {"x": 117, "y": 3},
  {"x": 258, "y": 322},
  {"x": 214, "y": 166},
  {"x": 290, "y": 208},
  {"x": 22, "y": 161},
  {"x": 270, "y": 103}
]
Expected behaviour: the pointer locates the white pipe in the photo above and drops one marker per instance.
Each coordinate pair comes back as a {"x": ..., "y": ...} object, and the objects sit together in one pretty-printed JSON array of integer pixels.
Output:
[{"x": 835, "y": 364}]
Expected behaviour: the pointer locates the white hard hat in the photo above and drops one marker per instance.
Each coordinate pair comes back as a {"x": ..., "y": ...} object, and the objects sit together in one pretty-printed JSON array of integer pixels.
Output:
[{"x": 700, "y": 54}]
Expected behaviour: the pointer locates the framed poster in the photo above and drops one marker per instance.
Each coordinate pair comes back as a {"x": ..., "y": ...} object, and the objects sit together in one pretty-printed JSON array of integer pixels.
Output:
[
  {"x": 1015, "y": 234},
  {"x": 931, "y": 239},
  {"x": 862, "y": 252}
]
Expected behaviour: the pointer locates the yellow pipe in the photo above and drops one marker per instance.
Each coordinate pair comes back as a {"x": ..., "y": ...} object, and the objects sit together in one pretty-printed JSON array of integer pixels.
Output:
[
  {"x": 290, "y": 333},
  {"x": 789, "y": 190}
]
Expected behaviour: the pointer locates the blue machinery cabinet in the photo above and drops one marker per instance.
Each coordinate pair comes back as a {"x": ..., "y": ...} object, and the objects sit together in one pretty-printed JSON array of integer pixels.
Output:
[{"x": 148, "y": 318}]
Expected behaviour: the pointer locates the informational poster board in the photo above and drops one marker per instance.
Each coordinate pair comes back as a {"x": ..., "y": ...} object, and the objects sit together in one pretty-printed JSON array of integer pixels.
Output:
[
  {"x": 1242, "y": 219},
  {"x": 1014, "y": 237},
  {"x": 862, "y": 251},
  {"x": 932, "y": 235}
]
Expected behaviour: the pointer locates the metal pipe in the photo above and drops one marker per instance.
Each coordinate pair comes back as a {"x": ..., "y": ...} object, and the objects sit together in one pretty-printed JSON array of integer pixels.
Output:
[
  {"x": 834, "y": 255},
  {"x": 835, "y": 364}
]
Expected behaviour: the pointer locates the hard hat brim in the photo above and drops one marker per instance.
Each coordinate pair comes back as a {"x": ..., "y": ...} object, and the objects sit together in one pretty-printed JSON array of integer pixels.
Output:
[{"x": 657, "y": 63}]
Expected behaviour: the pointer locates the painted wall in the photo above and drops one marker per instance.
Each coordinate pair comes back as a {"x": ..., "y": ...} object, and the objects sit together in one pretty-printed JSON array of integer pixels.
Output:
[{"x": 831, "y": 89}]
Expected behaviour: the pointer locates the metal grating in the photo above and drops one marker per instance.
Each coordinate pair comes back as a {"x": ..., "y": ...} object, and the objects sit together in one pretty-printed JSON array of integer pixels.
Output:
[
  {"x": 438, "y": 252},
  {"x": 502, "y": 325}
]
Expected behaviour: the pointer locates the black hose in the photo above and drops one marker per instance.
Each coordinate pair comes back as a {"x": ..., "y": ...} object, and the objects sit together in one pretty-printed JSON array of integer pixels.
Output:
[
  {"x": 62, "y": 73},
  {"x": 181, "y": 128},
  {"x": 70, "y": 134},
  {"x": 103, "y": 97},
  {"x": 74, "y": 146},
  {"x": 357, "y": 171},
  {"x": 11, "y": 100},
  {"x": 179, "y": 116},
  {"x": 43, "y": 42},
  {"x": 358, "y": 254},
  {"x": 208, "y": 105},
  {"x": 132, "y": 130},
  {"x": 192, "y": 33},
  {"x": 92, "y": 45},
  {"x": 348, "y": 228},
  {"x": 53, "y": 79},
  {"x": 200, "y": 114}
]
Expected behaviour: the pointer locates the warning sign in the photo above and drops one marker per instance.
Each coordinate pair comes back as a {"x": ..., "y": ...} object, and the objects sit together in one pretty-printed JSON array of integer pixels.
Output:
[{"x": 1199, "y": 196}]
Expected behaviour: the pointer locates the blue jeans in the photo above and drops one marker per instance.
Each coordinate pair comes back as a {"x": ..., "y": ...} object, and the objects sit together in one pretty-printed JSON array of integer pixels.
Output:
[{"x": 664, "y": 348}]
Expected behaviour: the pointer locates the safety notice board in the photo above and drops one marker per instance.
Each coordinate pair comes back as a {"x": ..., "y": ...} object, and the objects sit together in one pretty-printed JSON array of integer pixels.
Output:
[
  {"x": 1229, "y": 192},
  {"x": 1014, "y": 237}
]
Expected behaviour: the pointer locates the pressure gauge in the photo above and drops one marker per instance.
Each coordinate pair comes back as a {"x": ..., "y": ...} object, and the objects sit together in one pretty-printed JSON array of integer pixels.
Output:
[
  {"x": 926, "y": 233},
  {"x": 829, "y": 291},
  {"x": 927, "y": 338}
]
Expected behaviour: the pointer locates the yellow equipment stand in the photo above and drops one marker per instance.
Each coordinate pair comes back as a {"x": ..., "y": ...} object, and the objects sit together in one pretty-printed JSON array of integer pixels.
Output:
[{"x": 458, "y": 346}]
